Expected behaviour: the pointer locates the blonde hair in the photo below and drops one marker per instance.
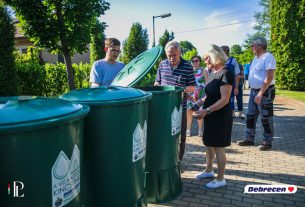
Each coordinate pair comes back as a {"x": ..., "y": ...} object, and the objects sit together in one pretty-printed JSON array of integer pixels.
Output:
[{"x": 217, "y": 55}]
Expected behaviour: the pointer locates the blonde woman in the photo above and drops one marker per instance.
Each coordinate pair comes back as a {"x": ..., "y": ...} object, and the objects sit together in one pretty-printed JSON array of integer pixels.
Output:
[{"x": 217, "y": 115}]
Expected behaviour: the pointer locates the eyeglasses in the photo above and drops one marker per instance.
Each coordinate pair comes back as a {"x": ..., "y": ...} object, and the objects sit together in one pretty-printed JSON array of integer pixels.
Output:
[
  {"x": 114, "y": 50},
  {"x": 195, "y": 61}
]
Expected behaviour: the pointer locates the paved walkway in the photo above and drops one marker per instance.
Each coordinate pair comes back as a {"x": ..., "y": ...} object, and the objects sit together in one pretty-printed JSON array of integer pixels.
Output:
[{"x": 284, "y": 164}]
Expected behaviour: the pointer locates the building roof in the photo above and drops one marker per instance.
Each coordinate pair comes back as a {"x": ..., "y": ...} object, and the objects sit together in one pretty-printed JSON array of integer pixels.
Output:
[{"x": 18, "y": 32}]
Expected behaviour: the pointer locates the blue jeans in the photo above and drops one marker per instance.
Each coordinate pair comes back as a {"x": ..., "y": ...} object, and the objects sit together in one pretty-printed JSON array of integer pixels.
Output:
[
  {"x": 265, "y": 110},
  {"x": 239, "y": 98}
]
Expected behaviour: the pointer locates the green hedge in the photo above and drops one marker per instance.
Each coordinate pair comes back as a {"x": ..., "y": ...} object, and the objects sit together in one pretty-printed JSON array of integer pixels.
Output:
[
  {"x": 8, "y": 80},
  {"x": 288, "y": 34},
  {"x": 49, "y": 79},
  {"x": 30, "y": 78}
]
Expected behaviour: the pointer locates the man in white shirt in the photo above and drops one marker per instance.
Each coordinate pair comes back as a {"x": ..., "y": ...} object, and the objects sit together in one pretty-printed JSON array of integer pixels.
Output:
[{"x": 262, "y": 93}]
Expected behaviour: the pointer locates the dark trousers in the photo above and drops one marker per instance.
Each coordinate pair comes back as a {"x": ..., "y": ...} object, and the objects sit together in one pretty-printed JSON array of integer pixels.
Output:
[
  {"x": 183, "y": 135},
  {"x": 265, "y": 110}
]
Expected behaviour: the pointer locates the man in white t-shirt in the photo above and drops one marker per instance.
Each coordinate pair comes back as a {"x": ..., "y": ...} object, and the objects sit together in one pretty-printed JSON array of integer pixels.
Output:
[
  {"x": 262, "y": 93},
  {"x": 104, "y": 71}
]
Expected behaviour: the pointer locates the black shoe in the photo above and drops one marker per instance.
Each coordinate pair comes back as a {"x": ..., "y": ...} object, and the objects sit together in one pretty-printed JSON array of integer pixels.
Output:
[
  {"x": 245, "y": 143},
  {"x": 264, "y": 146}
]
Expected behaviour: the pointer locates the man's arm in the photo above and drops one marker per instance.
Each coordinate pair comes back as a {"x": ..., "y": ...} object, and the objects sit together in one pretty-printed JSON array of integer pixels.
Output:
[
  {"x": 237, "y": 71},
  {"x": 95, "y": 76},
  {"x": 267, "y": 81},
  {"x": 94, "y": 85},
  {"x": 236, "y": 85},
  {"x": 158, "y": 77},
  {"x": 190, "y": 82},
  {"x": 189, "y": 89}
]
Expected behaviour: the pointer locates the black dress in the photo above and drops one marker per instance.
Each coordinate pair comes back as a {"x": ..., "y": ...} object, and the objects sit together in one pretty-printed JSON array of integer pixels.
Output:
[{"x": 218, "y": 124}]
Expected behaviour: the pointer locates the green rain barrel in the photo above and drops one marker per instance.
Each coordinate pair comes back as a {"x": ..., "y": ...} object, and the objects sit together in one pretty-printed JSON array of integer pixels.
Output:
[
  {"x": 163, "y": 178},
  {"x": 114, "y": 145},
  {"x": 40, "y": 152}
]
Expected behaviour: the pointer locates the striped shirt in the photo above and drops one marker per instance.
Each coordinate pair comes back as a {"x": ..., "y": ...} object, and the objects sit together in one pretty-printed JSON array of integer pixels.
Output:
[{"x": 181, "y": 76}]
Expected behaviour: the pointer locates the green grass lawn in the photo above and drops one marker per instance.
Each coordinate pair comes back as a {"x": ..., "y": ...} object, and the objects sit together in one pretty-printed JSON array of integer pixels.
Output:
[{"x": 297, "y": 95}]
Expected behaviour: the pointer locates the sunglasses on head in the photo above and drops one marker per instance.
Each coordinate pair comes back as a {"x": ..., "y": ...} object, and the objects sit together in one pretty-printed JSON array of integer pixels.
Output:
[{"x": 195, "y": 61}]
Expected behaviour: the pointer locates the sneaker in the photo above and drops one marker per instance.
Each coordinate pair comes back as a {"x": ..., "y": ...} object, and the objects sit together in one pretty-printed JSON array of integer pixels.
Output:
[
  {"x": 241, "y": 116},
  {"x": 264, "y": 146},
  {"x": 245, "y": 143},
  {"x": 216, "y": 183},
  {"x": 204, "y": 174},
  {"x": 200, "y": 133},
  {"x": 188, "y": 133}
]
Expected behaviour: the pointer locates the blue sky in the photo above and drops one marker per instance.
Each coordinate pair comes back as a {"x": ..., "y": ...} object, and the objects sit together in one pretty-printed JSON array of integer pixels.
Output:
[{"x": 185, "y": 15}]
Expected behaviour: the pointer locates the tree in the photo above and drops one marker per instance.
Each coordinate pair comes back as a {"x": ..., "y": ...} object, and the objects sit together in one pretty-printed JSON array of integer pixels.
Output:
[
  {"x": 236, "y": 50},
  {"x": 8, "y": 80},
  {"x": 246, "y": 56},
  {"x": 288, "y": 34},
  {"x": 186, "y": 46},
  {"x": 60, "y": 26},
  {"x": 263, "y": 19},
  {"x": 262, "y": 27},
  {"x": 189, "y": 54},
  {"x": 97, "y": 44},
  {"x": 136, "y": 43},
  {"x": 248, "y": 42},
  {"x": 164, "y": 39}
]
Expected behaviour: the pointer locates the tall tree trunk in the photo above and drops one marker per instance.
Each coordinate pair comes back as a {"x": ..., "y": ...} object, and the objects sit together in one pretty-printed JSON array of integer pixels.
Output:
[
  {"x": 65, "y": 48},
  {"x": 69, "y": 70}
]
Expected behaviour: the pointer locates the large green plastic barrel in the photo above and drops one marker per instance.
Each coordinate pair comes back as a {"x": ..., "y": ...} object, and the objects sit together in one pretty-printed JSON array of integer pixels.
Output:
[
  {"x": 40, "y": 152},
  {"x": 114, "y": 145},
  {"x": 163, "y": 178}
]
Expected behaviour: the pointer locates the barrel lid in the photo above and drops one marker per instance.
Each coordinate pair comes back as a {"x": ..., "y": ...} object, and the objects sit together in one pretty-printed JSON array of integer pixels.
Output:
[
  {"x": 27, "y": 109},
  {"x": 138, "y": 67},
  {"x": 105, "y": 95}
]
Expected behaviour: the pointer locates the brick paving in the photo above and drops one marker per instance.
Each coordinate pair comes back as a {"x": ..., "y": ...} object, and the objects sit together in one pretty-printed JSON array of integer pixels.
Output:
[{"x": 284, "y": 164}]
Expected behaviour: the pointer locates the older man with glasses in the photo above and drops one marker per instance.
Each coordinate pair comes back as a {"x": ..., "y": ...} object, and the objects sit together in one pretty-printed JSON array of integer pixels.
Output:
[
  {"x": 104, "y": 71},
  {"x": 175, "y": 71}
]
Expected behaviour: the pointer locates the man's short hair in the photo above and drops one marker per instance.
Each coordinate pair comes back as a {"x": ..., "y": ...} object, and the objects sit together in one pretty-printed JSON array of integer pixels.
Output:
[
  {"x": 226, "y": 49},
  {"x": 172, "y": 44},
  {"x": 110, "y": 42},
  {"x": 260, "y": 41}
]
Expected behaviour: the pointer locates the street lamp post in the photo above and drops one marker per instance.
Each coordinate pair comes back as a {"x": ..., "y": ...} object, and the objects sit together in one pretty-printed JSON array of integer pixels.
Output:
[{"x": 162, "y": 16}]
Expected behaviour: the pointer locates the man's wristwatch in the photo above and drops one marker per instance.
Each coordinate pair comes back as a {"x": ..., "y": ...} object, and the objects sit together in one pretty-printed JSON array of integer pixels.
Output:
[{"x": 208, "y": 110}]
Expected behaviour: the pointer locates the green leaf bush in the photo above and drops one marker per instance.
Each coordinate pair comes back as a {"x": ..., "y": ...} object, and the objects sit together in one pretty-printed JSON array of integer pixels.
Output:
[
  {"x": 288, "y": 45},
  {"x": 48, "y": 79}
]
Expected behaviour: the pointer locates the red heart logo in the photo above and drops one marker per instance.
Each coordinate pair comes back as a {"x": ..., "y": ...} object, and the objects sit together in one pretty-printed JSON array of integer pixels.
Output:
[{"x": 290, "y": 189}]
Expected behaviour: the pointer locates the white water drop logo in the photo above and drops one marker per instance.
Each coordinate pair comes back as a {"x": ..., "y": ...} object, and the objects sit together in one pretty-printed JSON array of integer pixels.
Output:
[
  {"x": 65, "y": 178},
  {"x": 139, "y": 142},
  {"x": 176, "y": 120}
]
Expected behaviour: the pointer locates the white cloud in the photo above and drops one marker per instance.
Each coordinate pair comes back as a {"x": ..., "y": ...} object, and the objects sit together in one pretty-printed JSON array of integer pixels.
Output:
[{"x": 218, "y": 15}]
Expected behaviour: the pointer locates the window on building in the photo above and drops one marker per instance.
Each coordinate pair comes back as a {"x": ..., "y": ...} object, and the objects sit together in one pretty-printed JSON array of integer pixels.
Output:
[
  {"x": 23, "y": 50},
  {"x": 61, "y": 58}
]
